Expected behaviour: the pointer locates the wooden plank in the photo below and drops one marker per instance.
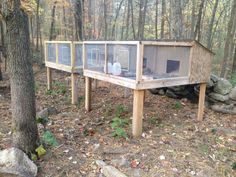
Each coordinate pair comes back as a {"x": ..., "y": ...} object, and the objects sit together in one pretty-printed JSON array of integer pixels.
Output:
[
  {"x": 49, "y": 78},
  {"x": 139, "y": 64},
  {"x": 58, "y": 42},
  {"x": 72, "y": 54},
  {"x": 201, "y": 103},
  {"x": 137, "y": 113},
  {"x": 125, "y": 82},
  {"x": 59, "y": 67},
  {"x": 168, "y": 43},
  {"x": 112, "y": 42},
  {"x": 88, "y": 90},
  {"x": 159, "y": 83},
  {"x": 74, "y": 88}
]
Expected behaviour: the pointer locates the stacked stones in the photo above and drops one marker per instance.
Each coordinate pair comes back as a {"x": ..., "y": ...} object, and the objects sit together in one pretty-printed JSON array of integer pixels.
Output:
[{"x": 219, "y": 90}]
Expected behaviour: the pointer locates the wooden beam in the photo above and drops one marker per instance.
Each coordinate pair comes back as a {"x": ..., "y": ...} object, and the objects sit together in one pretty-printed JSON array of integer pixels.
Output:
[
  {"x": 88, "y": 90},
  {"x": 49, "y": 78},
  {"x": 138, "y": 113},
  {"x": 74, "y": 88},
  {"x": 201, "y": 103}
]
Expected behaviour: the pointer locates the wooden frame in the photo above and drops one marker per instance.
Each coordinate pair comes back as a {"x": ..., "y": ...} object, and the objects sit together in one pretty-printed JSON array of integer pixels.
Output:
[
  {"x": 73, "y": 69},
  {"x": 139, "y": 85}
]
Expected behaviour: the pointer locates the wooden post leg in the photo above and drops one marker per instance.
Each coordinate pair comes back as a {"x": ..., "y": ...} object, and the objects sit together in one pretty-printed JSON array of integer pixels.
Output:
[
  {"x": 138, "y": 113},
  {"x": 88, "y": 86},
  {"x": 201, "y": 103},
  {"x": 74, "y": 88},
  {"x": 49, "y": 78}
]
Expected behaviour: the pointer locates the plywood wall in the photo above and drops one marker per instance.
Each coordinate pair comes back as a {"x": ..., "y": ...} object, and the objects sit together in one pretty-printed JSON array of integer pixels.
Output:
[{"x": 201, "y": 62}]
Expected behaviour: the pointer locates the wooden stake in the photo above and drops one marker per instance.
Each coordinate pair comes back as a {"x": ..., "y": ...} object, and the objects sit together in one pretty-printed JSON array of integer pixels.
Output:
[
  {"x": 74, "y": 88},
  {"x": 138, "y": 113},
  {"x": 88, "y": 86},
  {"x": 201, "y": 103},
  {"x": 49, "y": 78}
]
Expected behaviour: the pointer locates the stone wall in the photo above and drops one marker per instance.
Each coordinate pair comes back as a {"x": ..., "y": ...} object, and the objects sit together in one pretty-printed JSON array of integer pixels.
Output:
[{"x": 220, "y": 93}]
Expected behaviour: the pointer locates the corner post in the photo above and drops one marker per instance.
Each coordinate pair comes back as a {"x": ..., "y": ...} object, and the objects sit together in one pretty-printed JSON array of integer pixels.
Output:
[
  {"x": 201, "y": 103},
  {"x": 74, "y": 76},
  {"x": 88, "y": 86},
  {"x": 137, "y": 124}
]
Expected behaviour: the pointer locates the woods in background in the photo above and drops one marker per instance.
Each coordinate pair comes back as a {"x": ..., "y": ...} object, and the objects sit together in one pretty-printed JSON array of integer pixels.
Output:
[{"x": 211, "y": 22}]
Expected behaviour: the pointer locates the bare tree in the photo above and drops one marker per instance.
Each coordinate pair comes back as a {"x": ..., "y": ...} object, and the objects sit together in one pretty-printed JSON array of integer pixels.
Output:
[
  {"x": 229, "y": 41},
  {"x": 142, "y": 17},
  {"x": 163, "y": 18},
  {"x": 209, "y": 35},
  {"x": 79, "y": 19},
  {"x": 197, "y": 32},
  {"x": 52, "y": 28}
]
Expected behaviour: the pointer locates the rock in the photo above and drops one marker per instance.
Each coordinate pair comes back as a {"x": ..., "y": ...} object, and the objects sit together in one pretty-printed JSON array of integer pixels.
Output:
[
  {"x": 171, "y": 94},
  {"x": 109, "y": 171},
  {"x": 47, "y": 112},
  {"x": 135, "y": 172},
  {"x": 121, "y": 162},
  {"x": 232, "y": 94},
  {"x": 223, "y": 87},
  {"x": 214, "y": 78},
  {"x": 158, "y": 91},
  {"x": 225, "y": 109},
  {"x": 219, "y": 97},
  {"x": 15, "y": 162},
  {"x": 210, "y": 84}
]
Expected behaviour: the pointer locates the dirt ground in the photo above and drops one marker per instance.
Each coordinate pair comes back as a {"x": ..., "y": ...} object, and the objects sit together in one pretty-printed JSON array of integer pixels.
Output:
[{"x": 173, "y": 143}]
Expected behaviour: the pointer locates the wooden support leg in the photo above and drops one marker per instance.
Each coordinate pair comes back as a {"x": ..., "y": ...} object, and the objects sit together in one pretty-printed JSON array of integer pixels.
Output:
[
  {"x": 88, "y": 86},
  {"x": 74, "y": 88},
  {"x": 201, "y": 103},
  {"x": 138, "y": 113},
  {"x": 49, "y": 78}
]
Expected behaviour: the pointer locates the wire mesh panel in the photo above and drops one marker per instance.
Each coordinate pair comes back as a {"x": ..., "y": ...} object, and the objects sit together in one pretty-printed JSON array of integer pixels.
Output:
[
  {"x": 161, "y": 62},
  {"x": 122, "y": 60},
  {"x": 79, "y": 55},
  {"x": 95, "y": 57},
  {"x": 64, "y": 54},
  {"x": 51, "y": 52}
]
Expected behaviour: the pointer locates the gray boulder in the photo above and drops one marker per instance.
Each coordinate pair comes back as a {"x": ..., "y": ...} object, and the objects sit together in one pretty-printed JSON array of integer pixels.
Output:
[
  {"x": 15, "y": 163},
  {"x": 232, "y": 94},
  {"x": 219, "y": 97},
  {"x": 47, "y": 112},
  {"x": 214, "y": 78},
  {"x": 223, "y": 87}
]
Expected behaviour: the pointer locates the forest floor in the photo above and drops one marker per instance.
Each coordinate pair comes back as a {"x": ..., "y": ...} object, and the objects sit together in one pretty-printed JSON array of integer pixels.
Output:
[{"x": 173, "y": 142}]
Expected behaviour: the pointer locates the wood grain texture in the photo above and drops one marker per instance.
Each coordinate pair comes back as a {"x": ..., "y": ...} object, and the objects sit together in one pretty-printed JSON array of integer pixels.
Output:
[
  {"x": 201, "y": 63},
  {"x": 201, "y": 104}
]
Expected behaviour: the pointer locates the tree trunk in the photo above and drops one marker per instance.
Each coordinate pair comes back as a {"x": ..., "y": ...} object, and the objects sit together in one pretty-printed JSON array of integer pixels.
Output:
[
  {"x": 193, "y": 18},
  {"x": 178, "y": 20},
  {"x": 105, "y": 20},
  {"x": 142, "y": 16},
  {"x": 52, "y": 28},
  {"x": 163, "y": 18},
  {"x": 234, "y": 62},
  {"x": 25, "y": 132},
  {"x": 132, "y": 18},
  {"x": 128, "y": 20},
  {"x": 37, "y": 26},
  {"x": 197, "y": 32},
  {"x": 79, "y": 19},
  {"x": 229, "y": 41},
  {"x": 116, "y": 17},
  {"x": 65, "y": 23},
  {"x": 209, "y": 36},
  {"x": 156, "y": 20}
]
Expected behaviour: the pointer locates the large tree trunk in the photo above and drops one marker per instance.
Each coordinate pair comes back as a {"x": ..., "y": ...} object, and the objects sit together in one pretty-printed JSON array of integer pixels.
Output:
[
  {"x": 25, "y": 132},
  {"x": 178, "y": 22}
]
